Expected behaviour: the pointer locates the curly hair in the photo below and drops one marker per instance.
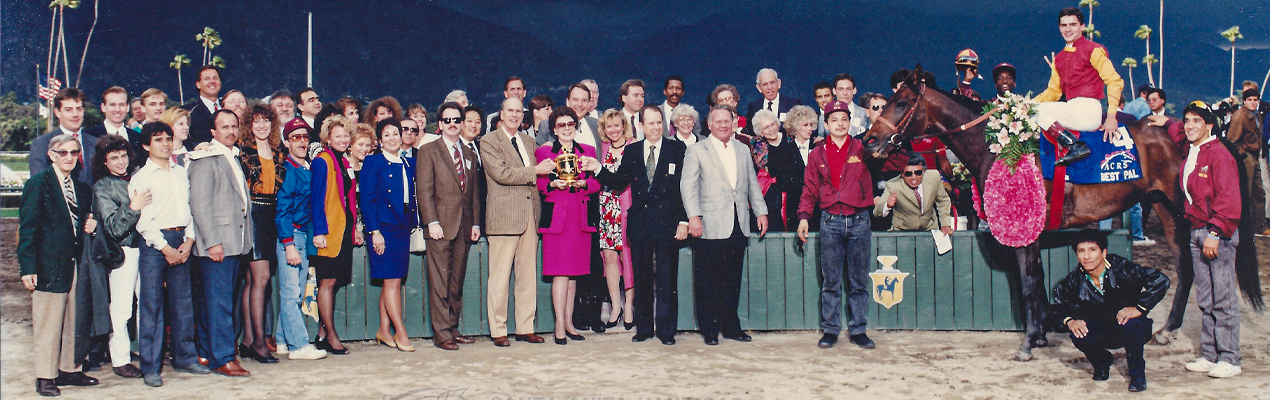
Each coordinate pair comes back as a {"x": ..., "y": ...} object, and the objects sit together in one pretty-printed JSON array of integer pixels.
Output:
[
  {"x": 275, "y": 127},
  {"x": 797, "y": 116},
  {"x": 368, "y": 115},
  {"x": 331, "y": 122},
  {"x": 106, "y": 145}
]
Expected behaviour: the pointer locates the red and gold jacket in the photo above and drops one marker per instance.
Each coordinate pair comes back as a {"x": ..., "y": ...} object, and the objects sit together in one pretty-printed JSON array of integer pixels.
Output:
[
  {"x": 1212, "y": 190},
  {"x": 1084, "y": 70}
]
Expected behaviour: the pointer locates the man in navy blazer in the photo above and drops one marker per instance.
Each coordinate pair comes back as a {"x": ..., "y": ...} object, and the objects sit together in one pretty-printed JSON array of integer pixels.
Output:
[
  {"x": 68, "y": 107},
  {"x": 656, "y": 226},
  {"x": 202, "y": 108},
  {"x": 769, "y": 84}
]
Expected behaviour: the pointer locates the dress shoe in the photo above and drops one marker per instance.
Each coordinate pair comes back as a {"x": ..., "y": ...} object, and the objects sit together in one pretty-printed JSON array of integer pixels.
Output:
[
  {"x": 128, "y": 371},
  {"x": 1138, "y": 384},
  {"x": 386, "y": 341},
  {"x": 863, "y": 341},
  {"x": 711, "y": 340},
  {"x": 447, "y": 345},
  {"x": 531, "y": 338},
  {"x": 232, "y": 370},
  {"x": 153, "y": 380},
  {"x": 271, "y": 344},
  {"x": 561, "y": 341},
  {"x": 502, "y": 341},
  {"x": 460, "y": 339},
  {"x": 202, "y": 361},
  {"x": 827, "y": 341},
  {"x": 640, "y": 337},
  {"x": 257, "y": 357},
  {"x": 406, "y": 346},
  {"x": 338, "y": 352},
  {"x": 194, "y": 369},
  {"x": 574, "y": 337},
  {"x": 74, "y": 379},
  {"x": 628, "y": 325},
  {"x": 47, "y": 388},
  {"x": 617, "y": 318},
  {"x": 598, "y": 327},
  {"x": 740, "y": 337},
  {"x": 669, "y": 341},
  {"x": 1102, "y": 373}
]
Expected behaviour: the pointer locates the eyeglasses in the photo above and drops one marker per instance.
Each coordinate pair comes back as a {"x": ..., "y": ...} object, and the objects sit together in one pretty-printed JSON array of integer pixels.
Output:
[
  {"x": 64, "y": 153},
  {"x": 911, "y": 173},
  {"x": 877, "y": 107},
  {"x": 415, "y": 130},
  {"x": 298, "y": 138},
  {"x": 570, "y": 124},
  {"x": 453, "y": 120}
]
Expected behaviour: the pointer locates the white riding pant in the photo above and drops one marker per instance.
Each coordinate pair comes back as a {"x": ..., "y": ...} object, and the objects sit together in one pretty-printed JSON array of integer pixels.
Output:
[{"x": 1079, "y": 114}]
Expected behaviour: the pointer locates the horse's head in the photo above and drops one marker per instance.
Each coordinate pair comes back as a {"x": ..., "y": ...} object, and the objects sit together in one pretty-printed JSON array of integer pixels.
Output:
[{"x": 900, "y": 120}]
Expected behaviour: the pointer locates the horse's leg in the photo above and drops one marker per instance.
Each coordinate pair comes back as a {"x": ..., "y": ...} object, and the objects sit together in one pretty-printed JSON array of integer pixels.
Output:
[{"x": 1031, "y": 275}]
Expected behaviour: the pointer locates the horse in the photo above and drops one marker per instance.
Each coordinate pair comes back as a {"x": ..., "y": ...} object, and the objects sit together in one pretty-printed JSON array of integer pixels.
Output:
[
  {"x": 888, "y": 285},
  {"x": 920, "y": 110}
]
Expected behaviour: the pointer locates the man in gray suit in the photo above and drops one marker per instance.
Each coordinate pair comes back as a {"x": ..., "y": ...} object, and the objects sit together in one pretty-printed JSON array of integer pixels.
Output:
[
  {"x": 720, "y": 188},
  {"x": 580, "y": 101},
  {"x": 68, "y": 107},
  {"x": 221, "y": 208}
]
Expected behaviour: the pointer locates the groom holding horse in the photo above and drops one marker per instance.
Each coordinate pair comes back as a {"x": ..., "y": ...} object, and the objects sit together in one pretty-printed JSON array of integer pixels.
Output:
[{"x": 1084, "y": 74}]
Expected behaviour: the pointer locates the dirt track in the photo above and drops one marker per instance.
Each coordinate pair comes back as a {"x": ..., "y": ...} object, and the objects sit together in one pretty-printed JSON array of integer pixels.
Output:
[{"x": 906, "y": 364}]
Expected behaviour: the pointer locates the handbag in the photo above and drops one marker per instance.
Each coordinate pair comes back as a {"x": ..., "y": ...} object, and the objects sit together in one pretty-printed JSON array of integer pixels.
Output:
[{"x": 417, "y": 243}]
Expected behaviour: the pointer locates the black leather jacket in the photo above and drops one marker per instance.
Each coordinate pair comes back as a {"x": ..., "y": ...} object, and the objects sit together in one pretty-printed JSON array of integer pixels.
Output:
[{"x": 1127, "y": 285}]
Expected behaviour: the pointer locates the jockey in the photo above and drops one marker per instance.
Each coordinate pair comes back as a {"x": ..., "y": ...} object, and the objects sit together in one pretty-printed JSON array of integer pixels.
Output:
[
  {"x": 1003, "y": 79},
  {"x": 1084, "y": 74},
  {"x": 967, "y": 69}
]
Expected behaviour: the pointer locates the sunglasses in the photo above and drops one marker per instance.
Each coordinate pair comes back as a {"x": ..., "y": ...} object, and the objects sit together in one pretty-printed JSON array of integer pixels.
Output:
[
  {"x": 570, "y": 124},
  {"x": 298, "y": 138},
  {"x": 912, "y": 173},
  {"x": 415, "y": 130},
  {"x": 453, "y": 120},
  {"x": 64, "y": 153},
  {"x": 877, "y": 107}
]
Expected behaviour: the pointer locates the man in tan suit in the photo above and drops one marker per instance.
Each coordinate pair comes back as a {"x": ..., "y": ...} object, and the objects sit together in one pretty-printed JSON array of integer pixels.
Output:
[
  {"x": 513, "y": 229},
  {"x": 913, "y": 198},
  {"x": 448, "y": 193}
]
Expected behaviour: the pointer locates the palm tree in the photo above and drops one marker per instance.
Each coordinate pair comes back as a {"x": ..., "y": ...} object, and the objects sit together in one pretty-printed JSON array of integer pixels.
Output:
[
  {"x": 1144, "y": 33},
  {"x": 177, "y": 62},
  {"x": 59, "y": 14},
  {"x": 79, "y": 75},
  {"x": 209, "y": 39},
  {"x": 1150, "y": 60},
  {"x": 1161, "y": 52},
  {"x": 218, "y": 62},
  {"x": 1089, "y": 28},
  {"x": 1232, "y": 35},
  {"x": 1130, "y": 62}
]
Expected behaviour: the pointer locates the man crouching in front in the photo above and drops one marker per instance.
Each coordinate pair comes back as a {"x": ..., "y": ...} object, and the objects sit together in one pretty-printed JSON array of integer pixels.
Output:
[{"x": 1104, "y": 305}]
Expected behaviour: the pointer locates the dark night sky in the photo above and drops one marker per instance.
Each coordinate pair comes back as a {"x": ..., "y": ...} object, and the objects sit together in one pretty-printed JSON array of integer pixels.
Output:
[{"x": 419, "y": 50}]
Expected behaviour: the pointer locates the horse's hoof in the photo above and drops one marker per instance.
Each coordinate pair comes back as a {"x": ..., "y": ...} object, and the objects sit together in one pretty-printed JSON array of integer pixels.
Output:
[
  {"x": 1040, "y": 342},
  {"x": 1161, "y": 338},
  {"x": 1023, "y": 356}
]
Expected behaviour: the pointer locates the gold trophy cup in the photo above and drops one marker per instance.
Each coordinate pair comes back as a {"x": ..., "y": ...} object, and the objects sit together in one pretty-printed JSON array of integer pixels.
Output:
[{"x": 567, "y": 167}]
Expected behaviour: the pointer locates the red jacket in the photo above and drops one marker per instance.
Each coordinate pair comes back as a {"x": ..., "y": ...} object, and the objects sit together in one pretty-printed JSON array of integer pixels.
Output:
[
  {"x": 1214, "y": 190},
  {"x": 855, "y": 191},
  {"x": 1083, "y": 70}
]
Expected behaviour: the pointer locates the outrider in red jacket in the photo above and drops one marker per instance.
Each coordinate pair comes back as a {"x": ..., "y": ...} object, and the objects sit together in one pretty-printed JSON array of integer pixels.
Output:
[{"x": 1212, "y": 189}]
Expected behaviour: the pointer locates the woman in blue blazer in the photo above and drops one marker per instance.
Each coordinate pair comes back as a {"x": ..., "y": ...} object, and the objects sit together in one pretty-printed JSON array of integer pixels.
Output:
[{"x": 389, "y": 213}]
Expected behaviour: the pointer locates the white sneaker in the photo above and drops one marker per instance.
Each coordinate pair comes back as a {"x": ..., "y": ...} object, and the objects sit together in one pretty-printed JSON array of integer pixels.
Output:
[
  {"x": 308, "y": 352},
  {"x": 1144, "y": 242},
  {"x": 282, "y": 350},
  {"x": 1200, "y": 365},
  {"x": 1225, "y": 370}
]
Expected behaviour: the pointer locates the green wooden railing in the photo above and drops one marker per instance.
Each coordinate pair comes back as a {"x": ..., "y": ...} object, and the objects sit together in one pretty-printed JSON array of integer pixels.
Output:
[{"x": 780, "y": 289}]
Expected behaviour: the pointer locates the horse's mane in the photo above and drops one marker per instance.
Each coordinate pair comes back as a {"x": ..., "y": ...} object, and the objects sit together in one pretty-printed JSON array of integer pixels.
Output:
[{"x": 969, "y": 103}]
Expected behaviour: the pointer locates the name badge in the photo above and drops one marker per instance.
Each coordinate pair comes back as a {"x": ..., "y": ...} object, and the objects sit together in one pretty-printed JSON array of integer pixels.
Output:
[{"x": 672, "y": 169}]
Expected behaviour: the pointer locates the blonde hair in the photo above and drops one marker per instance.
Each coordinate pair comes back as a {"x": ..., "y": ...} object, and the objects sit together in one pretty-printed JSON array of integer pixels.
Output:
[
  {"x": 797, "y": 116},
  {"x": 611, "y": 115},
  {"x": 331, "y": 122},
  {"x": 360, "y": 131},
  {"x": 171, "y": 115}
]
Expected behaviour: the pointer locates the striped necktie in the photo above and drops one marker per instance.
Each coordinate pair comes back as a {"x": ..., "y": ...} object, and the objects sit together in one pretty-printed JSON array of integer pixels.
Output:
[{"x": 68, "y": 191}]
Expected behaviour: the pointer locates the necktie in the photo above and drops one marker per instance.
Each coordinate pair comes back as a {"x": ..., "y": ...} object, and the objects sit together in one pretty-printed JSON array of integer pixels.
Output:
[
  {"x": 651, "y": 163},
  {"x": 515, "y": 146},
  {"x": 68, "y": 191},
  {"x": 475, "y": 152},
  {"x": 633, "y": 126},
  {"x": 917, "y": 192},
  {"x": 458, "y": 167},
  {"x": 769, "y": 105},
  {"x": 81, "y": 153}
]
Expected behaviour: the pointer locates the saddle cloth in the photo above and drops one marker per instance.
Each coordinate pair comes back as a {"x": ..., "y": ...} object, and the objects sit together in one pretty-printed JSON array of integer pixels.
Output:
[{"x": 1116, "y": 161}]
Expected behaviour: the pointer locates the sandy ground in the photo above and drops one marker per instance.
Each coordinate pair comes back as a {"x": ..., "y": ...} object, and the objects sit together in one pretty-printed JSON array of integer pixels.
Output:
[{"x": 786, "y": 365}]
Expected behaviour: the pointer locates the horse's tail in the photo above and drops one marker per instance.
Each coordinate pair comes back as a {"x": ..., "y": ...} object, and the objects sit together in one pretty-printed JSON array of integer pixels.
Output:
[
  {"x": 1246, "y": 252},
  {"x": 1185, "y": 262}
]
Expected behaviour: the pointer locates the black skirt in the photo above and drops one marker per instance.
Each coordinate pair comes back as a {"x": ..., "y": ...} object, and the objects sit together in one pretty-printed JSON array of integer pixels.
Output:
[{"x": 340, "y": 267}]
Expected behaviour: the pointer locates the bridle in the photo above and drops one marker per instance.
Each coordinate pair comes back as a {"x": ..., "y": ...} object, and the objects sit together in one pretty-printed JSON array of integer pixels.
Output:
[{"x": 896, "y": 140}]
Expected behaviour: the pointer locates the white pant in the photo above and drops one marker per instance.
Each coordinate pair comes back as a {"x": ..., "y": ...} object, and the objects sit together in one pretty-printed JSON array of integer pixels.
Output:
[
  {"x": 1079, "y": 114},
  {"x": 1265, "y": 181},
  {"x": 124, "y": 287}
]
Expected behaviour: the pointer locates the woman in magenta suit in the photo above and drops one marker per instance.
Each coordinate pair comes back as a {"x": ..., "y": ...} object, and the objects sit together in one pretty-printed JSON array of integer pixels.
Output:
[{"x": 565, "y": 225}]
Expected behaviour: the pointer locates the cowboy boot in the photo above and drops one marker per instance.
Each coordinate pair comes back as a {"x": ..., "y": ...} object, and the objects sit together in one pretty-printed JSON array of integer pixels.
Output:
[{"x": 1076, "y": 149}]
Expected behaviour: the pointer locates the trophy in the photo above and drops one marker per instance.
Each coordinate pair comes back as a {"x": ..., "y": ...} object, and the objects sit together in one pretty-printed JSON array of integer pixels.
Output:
[{"x": 567, "y": 168}]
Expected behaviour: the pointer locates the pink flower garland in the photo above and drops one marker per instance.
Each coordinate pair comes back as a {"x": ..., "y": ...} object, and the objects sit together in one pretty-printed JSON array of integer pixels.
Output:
[{"x": 1015, "y": 202}]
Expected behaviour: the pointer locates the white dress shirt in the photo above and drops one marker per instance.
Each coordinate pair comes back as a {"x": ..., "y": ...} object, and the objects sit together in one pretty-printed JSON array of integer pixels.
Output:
[
  {"x": 525, "y": 157},
  {"x": 584, "y": 134},
  {"x": 212, "y": 105},
  {"x": 310, "y": 121},
  {"x": 471, "y": 146},
  {"x": 637, "y": 127},
  {"x": 115, "y": 130},
  {"x": 727, "y": 157},
  {"x": 170, "y": 204},
  {"x": 405, "y": 180},
  {"x": 804, "y": 148}
]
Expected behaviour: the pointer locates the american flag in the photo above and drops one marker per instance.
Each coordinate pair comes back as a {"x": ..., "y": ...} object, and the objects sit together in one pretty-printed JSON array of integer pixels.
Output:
[{"x": 49, "y": 90}]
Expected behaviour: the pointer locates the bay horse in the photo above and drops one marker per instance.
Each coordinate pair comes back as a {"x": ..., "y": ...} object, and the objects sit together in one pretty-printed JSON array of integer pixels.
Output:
[{"x": 920, "y": 110}]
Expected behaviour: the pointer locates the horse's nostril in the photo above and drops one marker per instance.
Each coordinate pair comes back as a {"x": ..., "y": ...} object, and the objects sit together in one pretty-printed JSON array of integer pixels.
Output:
[{"x": 870, "y": 141}]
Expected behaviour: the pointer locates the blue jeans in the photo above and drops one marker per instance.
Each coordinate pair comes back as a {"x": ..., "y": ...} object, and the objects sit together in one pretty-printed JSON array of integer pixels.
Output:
[
  {"x": 217, "y": 328},
  {"x": 1135, "y": 222},
  {"x": 155, "y": 274},
  {"x": 844, "y": 243},
  {"x": 291, "y": 330}
]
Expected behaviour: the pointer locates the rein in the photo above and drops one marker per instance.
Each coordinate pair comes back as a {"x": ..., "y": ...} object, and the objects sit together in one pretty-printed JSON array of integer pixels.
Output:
[{"x": 896, "y": 140}]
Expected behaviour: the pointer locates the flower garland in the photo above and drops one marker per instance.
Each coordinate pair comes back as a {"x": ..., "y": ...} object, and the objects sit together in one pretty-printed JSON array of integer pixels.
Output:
[
  {"x": 1011, "y": 131},
  {"x": 1014, "y": 201}
]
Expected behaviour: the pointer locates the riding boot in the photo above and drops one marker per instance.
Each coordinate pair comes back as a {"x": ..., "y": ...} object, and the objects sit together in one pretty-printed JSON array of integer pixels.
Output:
[{"x": 1076, "y": 149}]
